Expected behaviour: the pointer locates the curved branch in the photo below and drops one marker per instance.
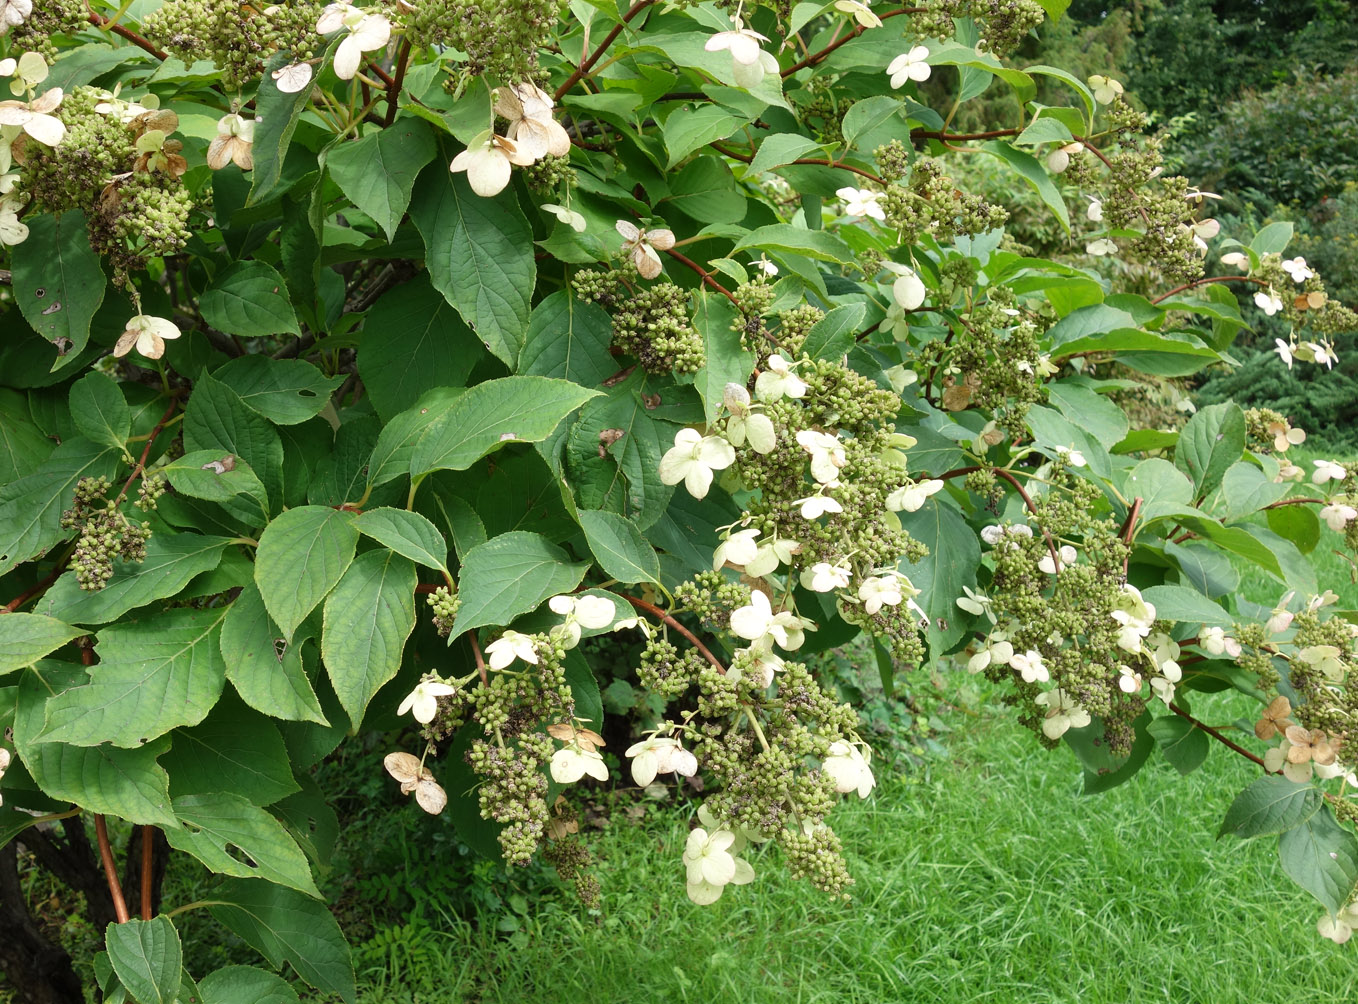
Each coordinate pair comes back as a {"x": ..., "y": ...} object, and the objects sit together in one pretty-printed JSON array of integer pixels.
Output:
[
  {"x": 813, "y": 58},
  {"x": 1216, "y": 735},
  {"x": 707, "y": 276},
  {"x": 1023, "y": 494},
  {"x": 587, "y": 63},
  {"x": 102, "y": 22},
  {"x": 692, "y": 638},
  {"x": 1207, "y": 281},
  {"x": 110, "y": 869}
]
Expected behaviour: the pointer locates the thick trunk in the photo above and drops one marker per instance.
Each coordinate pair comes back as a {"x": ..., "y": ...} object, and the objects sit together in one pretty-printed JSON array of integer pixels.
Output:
[{"x": 36, "y": 971}]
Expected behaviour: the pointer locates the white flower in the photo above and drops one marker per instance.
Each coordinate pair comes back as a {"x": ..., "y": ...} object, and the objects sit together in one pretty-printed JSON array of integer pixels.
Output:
[
  {"x": 234, "y": 142},
  {"x": 1284, "y": 351},
  {"x": 997, "y": 651},
  {"x": 1062, "y": 713},
  {"x": 738, "y": 548},
  {"x": 587, "y": 611},
  {"x": 528, "y": 108},
  {"x": 13, "y": 13},
  {"x": 910, "y": 65},
  {"x": 29, "y": 70},
  {"x": 711, "y": 866},
  {"x": 1105, "y": 89},
  {"x": 148, "y": 334},
  {"x": 571, "y": 763},
  {"x": 1285, "y": 438},
  {"x": 1067, "y": 555},
  {"x": 1319, "y": 353},
  {"x": 1136, "y": 617},
  {"x": 1030, "y": 666},
  {"x": 879, "y": 591},
  {"x": 692, "y": 460},
  {"x": 35, "y": 117},
  {"x": 766, "y": 266},
  {"x": 367, "y": 32},
  {"x": 510, "y": 646},
  {"x": 569, "y": 217},
  {"x": 1298, "y": 269},
  {"x": 747, "y": 424},
  {"x": 741, "y": 42},
  {"x": 1071, "y": 457},
  {"x": 1215, "y": 641},
  {"x": 422, "y": 702},
  {"x": 12, "y": 229},
  {"x": 777, "y": 380},
  {"x": 1267, "y": 302},
  {"x": 1237, "y": 259},
  {"x": 1129, "y": 680},
  {"x": 992, "y": 534},
  {"x": 976, "y": 603},
  {"x": 1280, "y": 618},
  {"x": 416, "y": 777},
  {"x": 1059, "y": 159},
  {"x": 758, "y": 623},
  {"x": 769, "y": 556},
  {"x": 4, "y": 765},
  {"x": 293, "y": 77},
  {"x": 486, "y": 161},
  {"x": 660, "y": 755},
  {"x": 1101, "y": 247},
  {"x": 849, "y": 769},
  {"x": 827, "y": 454},
  {"x": 642, "y": 246},
  {"x": 860, "y": 11},
  {"x": 1328, "y": 470},
  {"x": 911, "y": 496},
  {"x": 1337, "y": 516},
  {"x": 1324, "y": 659},
  {"x": 1203, "y": 231},
  {"x": 862, "y": 202},
  {"x": 908, "y": 290},
  {"x": 823, "y": 577},
  {"x": 1094, "y": 212},
  {"x": 816, "y": 506},
  {"x": 1339, "y": 928}
]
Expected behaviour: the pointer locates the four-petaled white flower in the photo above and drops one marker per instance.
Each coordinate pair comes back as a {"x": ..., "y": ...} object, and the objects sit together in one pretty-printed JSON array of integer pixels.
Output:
[
  {"x": 569, "y": 217},
  {"x": 35, "y": 117},
  {"x": 777, "y": 380},
  {"x": 1100, "y": 247},
  {"x": 1298, "y": 269},
  {"x": 816, "y": 506},
  {"x": 660, "y": 755},
  {"x": 910, "y": 65},
  {"x": 692, "y": 460},
  {"x": 367, "y": 32},
  {"x": 711, "y": 865},
  {"x": 1238, "y": 259},
  {"x": 1030, "y": 666},
  {"x": 13, "y": 13},
  {"x": 908, "y": 290},
  {"x": 1106, "y": 89},
  {"x": 745, "y": 423},
  {"x": 510, "y": 646},
  {"x": 528, "y": 108},
  {"x": 1059, "y": 159},
  {"x": 1062, "y": 713},
  {"x": 570, "y": 763},
  {"x": 860, "y": 11},
  {"x": 1215, "y": 641},
  {"x": 1268, "y": 302},
  {"x": 293, "y": 77},
  {"x": 759, "y": 624},
  {"x": 778, "y": 551},
  {"x": 749, "y": 63},
  {"x": 766, "y": 266},
  {"x": 587, "y": 611},
  {"x": 1284, "y": 438},
  {"x": 849, "y": 769},
  {"x": 1070, "y": 456},
  {"x": 1047, "y": 563},
  {"x": 976, "y": 603},
  {"x": 997, "y": 651},
  {"x": 881, "y": 591},
  {"x": 862, "y": 202},
  {"x": 911, "y": 496},
  {"x": 148, "y": 334},
  {"x": 1136, "y": 617},
  {"x": 823, "y": 577},
  {"x": 422, "y": 702},
  {"x": 487, "y": 161},
  {"x": 234, "y": 142},
  {"x": 827, "y": 454},
  {"x": 1328, "y": 470},
  {"x": 738, "y": 548},
  {"x": 642, "y": 245},
  {"x": 1337, "y": 515}
]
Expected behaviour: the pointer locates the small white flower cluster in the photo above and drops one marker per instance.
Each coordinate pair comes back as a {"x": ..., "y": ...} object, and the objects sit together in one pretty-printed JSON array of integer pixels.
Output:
[
  {"x": 710, "y": 861},
  {"x": 532, "y": 134},
  {"x": 659, "y": 754},
  {"x": 366, "y": 30}
]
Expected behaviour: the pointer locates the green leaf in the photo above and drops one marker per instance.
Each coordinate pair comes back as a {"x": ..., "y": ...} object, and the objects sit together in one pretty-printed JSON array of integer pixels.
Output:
[
  {"x": 396, "y": 442},
  {"x": 1297, "y": 523},
  {"x": 834, "y": 334},
  {"x": 869, "y": 116},
  {"x": 622, "y": 552},
  {"x": 688, "y": 129},
  {"x": 23, "y": 446},
  {"x": 1104, "y": 770},
  {"x": 406, "y": 533},
  {"x": 463, "y": 523},
  {"x": 31, "y": 508},
  {"x": 1322, "y": 857},
  {"x": 1210, "y": 443},
  {"x": 1035, "y": 175},
  {"x": 195, "y": 475},
  {"x": 285, "y": 926},
  {"x": 1272, "y": 239},
  {"x": 1245, "y": 490},
  {"x": 276, "y": 115},
  {"x": 510, "y": 575},
  {"x": 285, "y": 391},
  {"x": 245, "y": 985},
  {"x": 100, "y": 412},
  {"x": 249, "y": 299},
  {"x": 1187, "y": 606},
  {"x": 153, "y": 674},
  {"x": 368, "y": 618},
  {"x": 1271, "y": 804},
  {"x": 1184, "y": 745},
  {"x": 480, "y": 256},
  {"x": 954, "y": 555},
  {"x": 1045, "y": 130},
  {"x": 217, "y": 821},
  {"x": 26, "y": 638},
  {"x": 148, "y": 958},
  {"x": 217, "y": 419},
  {"x": 725, "y": 360},
  {"x": 266, "y": 671},
  {"x": 568, "y": 338},
  {"x": 706, "y": 190},
  {"x": 302, "y": 555},
  {"x": 236, "y": 749},
  {"x": 412, "y": 342},
  {"x": 378, "y": 172},
  {"x": 1092, "y": 412},
  {"x": 589, "y": 703},
  {"x": 58, "y": 281},
  {"x": 172, "y": 560},
  {"x": 1164, "y": 490},
  {"x": 787, "y": 239},
  {"x": 519, "y": 409}
]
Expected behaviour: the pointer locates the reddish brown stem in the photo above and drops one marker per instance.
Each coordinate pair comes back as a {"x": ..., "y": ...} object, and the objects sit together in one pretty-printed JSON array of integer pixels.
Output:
[
  {"x": 427, "y": 587},
  {"x": 587, "y": 63},
  {"x": 813, "y": 58},
  {"x": 707, "y": 276},
  {"x": 115, "y": 888},
  {"x": 1216, "y": 735},
  {"x": 148, "y": 836},
  {"x": 1296, "y": 501},
  {"x": 693, "y": 640},
  {"x": 102, "y": 22},
  {"x": 1023, "y": 494},
  {"x": 480, "y": 659},
  {"x": 1128, "y": 528},
  {"x": 35, "y": 589},
  {"x": 394, "y": 92},
  {"x": 383, "y": 76},
  {"x": 146, "y": 452},
  {"x": 1208, "y": 281}
]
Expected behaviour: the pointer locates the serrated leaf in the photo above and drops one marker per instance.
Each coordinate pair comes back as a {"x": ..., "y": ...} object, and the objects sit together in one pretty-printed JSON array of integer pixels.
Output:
[
  {"x": 249, "y": 299},
  {"x": 1245, "y": 490},
  {"x": 621, "y": 551},
  {"x": 23, "y": 446},
  {"x": 276, "y": 115},
  {"x": 26, "y": 638},
  {"x": 510, "y": 575},
  {"x": 1271, "y": 804},
  {"x": 688, "y": 129},
  {"x": 235, "y": 749},
  {"x": 100, "y": 412},
  {"x": 396, "y": 442},
  {"x": 725, "y": 360},
  {"x": 217, "y": 419},
  {"x": 1322, "y": 857},
  {"x": 152, "y": 675},
  {"x": 265, "y": 669},
  {"x": 568, "y": 338},
  {"x": 368, "y": 618},
  {"x": 1188, "y": 606},
  {"x": 301, "y": 556},
  {"x": 406, "y": 533},
  {"x": 285, "y": 391},
  {"x": 788, "y": 239},
  {"x": 31, "y": 508},
  {"x": 378, "y": 171},
  {"x": 245, "y": 985},
  {"x": 1035, "y": 175},
  {"x": 148, "y": 958},
  {"x": 58, "y": 281},
  {"x": 285, "y": 926},
  {"x": 215, "y": 822},
  {"x": 833, "y": 335},
  {"x": 1211, "y": 441},
  {"x": 954, "y": 555},
  {"x": 196, "y": 475},
  {"x": 518, "y": 409}
]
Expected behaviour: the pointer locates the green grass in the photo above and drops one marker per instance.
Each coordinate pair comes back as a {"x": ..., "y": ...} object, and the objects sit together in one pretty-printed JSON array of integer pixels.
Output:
[{"x": 984, "y": 877}]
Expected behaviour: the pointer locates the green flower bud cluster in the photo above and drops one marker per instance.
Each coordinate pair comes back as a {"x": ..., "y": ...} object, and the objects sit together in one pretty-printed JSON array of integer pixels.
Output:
[
  {"x": 823, "y": 110},
  {"x": 663, "y": 671},
  {"x": 932, "y": 204},
  {"x": 444, "y": 602},
  {"x": 149, "y": 492},
  {"x": 1330, "y": 703},
  {"x": 893, "y": 160},
  {"x": 1003, "y": 23},
  {"x": 572, "y": 859},
  {"x": 501, "y": 38},
  {"x": 650, "y": 322},
  {"x": 711, "y": 597},
  {"x": 549, "y": 174},
  {"x": 753, "y": 300},
  {"x": 793, "y": 327},
  {"x": 514, "y": 791},
  {"x": 105, "y": 534},
  {"x": 48, "y": 18},
  {"x": 97, "y": 147},
  {"x": 236, "y": 38},
  {"x": 144, "y": 216},
  {"x": 1329, "y": 318}
]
